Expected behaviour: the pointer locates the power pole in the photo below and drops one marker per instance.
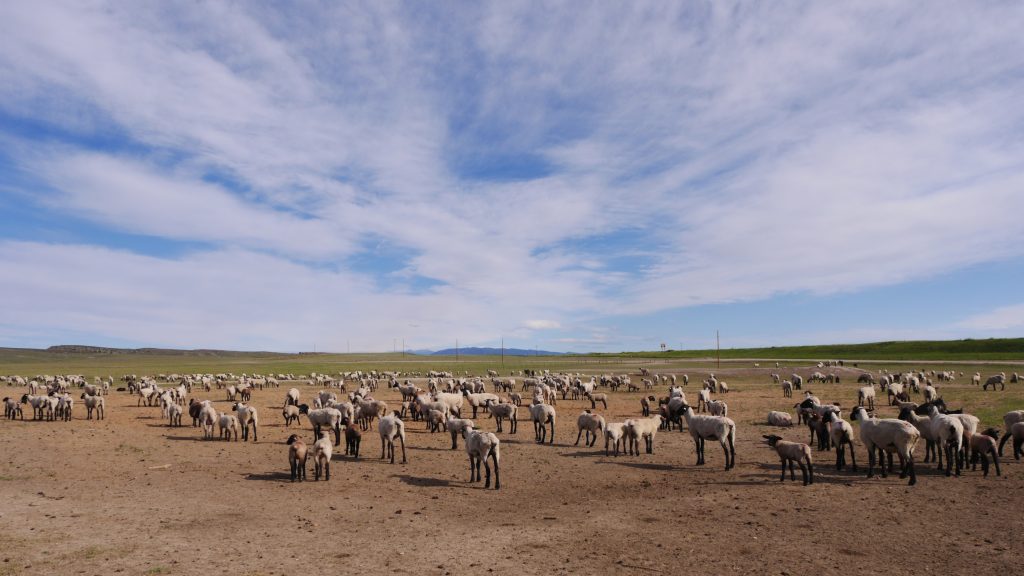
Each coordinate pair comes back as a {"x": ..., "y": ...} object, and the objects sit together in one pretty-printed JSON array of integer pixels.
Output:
[
  {"x": 456, "y": 350},
  {"x": 502, "y": 350},
  {"x": 718, "y": 350},
  {"x": 403, "y": 347},
  {"x": 348, "y": 346}
]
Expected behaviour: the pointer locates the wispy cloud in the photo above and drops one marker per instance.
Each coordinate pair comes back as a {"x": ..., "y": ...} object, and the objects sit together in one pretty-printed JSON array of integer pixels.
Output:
[
  {"x": 997, "y": 320},
  {"x": 536, "y": 170}
]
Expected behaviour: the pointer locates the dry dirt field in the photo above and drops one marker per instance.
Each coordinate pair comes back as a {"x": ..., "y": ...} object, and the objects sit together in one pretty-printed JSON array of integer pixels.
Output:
[{"x": 130, "y": 495}]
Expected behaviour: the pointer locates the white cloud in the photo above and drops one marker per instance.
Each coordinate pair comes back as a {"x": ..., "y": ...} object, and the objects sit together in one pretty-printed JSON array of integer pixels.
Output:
[
  {"x": 542, "y": 324},
  {"x": 999, "y": 319}
]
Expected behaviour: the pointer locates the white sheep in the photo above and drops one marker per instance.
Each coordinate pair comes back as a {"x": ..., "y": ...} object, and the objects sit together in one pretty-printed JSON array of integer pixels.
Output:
[
  {"x": 292, "y": 397},
  {"x": 718, "y": 408},
  {"x": 322, "y": 453},
  {"x": 502, "y": 412},
  {"x": 717, "y": 428},
  {"x": 94, "y": 404},
  {"x": 207, "y": 419},
  {"x": 841, "y": 433},
  {"x": 291, "y": 413},
  {"x": 1009, "y": 419},
  {"x": 776, "y": 418},
  {"x": 324, "y": 417},
  {"x": 456, "y": 426},
  {"x": 793, "y": 452},
  {"x": 480, "y": 446},
  {"x": 703, "y": 397},
  {"x": 948, "y": 432},
  {"x": 614, "y": 433},
  {"x": 889, "y": 435},
  {"x": 174, "y": 415},
  {"x": 1017, "y": 432},
  {"x": 542, "y": 415},
  {"x": 981, "y": 446},
  {"x": 930, "y": 394},
  {"x": 866, "y": 396},
  {"x": 247, "y": 416},
  {"x": 787, "y": 389},
  {"x": 391, "y": 427},
  {"x": 636, "y": 429},
  {"x": 590, "y": 423},
  {"x": 228, "y": 423}
]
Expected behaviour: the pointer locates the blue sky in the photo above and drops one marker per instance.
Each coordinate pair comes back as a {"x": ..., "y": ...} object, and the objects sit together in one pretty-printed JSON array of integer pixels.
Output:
[{"x": 572, "y": 176}]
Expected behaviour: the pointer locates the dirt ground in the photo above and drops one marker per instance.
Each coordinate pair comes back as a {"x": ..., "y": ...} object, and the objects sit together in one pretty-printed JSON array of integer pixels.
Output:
[{"x": 130, "y": 495}]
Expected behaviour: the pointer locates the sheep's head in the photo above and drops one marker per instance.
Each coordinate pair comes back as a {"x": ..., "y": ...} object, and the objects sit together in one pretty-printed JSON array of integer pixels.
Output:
[
  {"x": 292, "y": 439},
  {"x": 992, "y": 432},
  {"x": 772, "y": 439}
]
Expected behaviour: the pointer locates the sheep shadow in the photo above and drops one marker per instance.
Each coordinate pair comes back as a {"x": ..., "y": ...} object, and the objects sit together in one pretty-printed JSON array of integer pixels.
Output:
[
  {"x": 270, "y": 476},
  {"x": 584, "y": 453},
  {"x": 190, "y": 438},
  {"x": 641, "y": 465},
  {"x": 423, "y": 481}
]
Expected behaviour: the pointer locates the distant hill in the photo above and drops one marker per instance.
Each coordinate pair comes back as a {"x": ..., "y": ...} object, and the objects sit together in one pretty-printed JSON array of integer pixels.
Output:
[
  {"x": 80, "y": 349},
  {"x": 495, "y": 352}
]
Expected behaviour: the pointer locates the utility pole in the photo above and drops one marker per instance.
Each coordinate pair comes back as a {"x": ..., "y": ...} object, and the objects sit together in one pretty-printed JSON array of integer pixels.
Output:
[
  {"x": 502, "y": 350},
  {"x": 403, "y": 347},
  {"x": 718, "y": 350},
  {"x": 348, "y": 346},
  {"x": 456, "y": 350}
]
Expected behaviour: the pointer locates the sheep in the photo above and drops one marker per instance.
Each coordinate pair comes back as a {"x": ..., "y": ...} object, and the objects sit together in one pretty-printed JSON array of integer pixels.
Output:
[
  {"x": 297, "y": 452},
  {"x": 948, "y": 432},
  {"x": 353, "y": 437},
  {"x": 292, "y": 397},
  {"x": 228, "y": 423},
  {"x": 712, "y": 428},
  {"x": 456, "y": 426},
  {"x": 391, "y": 427},
  {"x": 930, "y": 394},
  {"x": 718, "y": 408},
  {"x": 12, "y": 408},
  {"x": 641, "y": 428},
  {"x": 981, "y": 446},
  {"x": 924, "y": 426},
  {"x": 590, "y": 423},
  {"x": 703, "y": 397},
  {"x": 329, "y": 417},
  {"x": 776, "y": 418},
  {"x": 793, "y": 452},
  {"x": 366, "y": 410},
  {"x": 480, "y": 446},
  {"x": 787, "y": 389},
  {"x": 501, "y": 412},
  {"x": 841, "y": 434},
  {"x": 1017, "y": 431},
  {"x": 614, "y": 433},
  {"x": 993, "y": 381},
  {"x": 97, "y": 404},
  {"x": 477, "y": 401},
  {"x": 595, "y": 398},
  {"x": 291, "y": 413},
  {"x": 542, "y": 415},
  {"x": 1009, "y": 419},
  {"x": 322, "y": 453},
  {"x": 866, "y": 395},
  {"x": 516, "y": 398},
  {"x": 194, "y": 408},
  {"x": 436, "y": 421},
  {"x": 797, "y": 381},
  {"x": 645, "y": 405},
  {"x": 174, "y": 414},
  {"x": 247, "y": 416},
  {"x": 207, "y": 418},
  {"x": 891, "y": 435},
  {"x": 453, "y": 402}
]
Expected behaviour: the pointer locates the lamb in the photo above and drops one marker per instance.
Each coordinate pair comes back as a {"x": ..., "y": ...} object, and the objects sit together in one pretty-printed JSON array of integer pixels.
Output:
[
  {"x": 703, "y": 397},
  {"x": 207, "y": 418},
  {"x": 866, "y": 395},
  {"x": 776, "y": 418},
  {"x": 712, "y": 428},
  {"x": 477, "y": 401},
  {"x": 322, "y": 453},
  {"x": 456, "y": 426},
  {"x": 502, "y": 412},
  {"x": 11, "y": 407},
  {"x": 595, "y": 398},
  {"x": 924, "y": 426},
  {"x": 891, "y": 435},
  {"x": 228, "y": 423},
  {"x": 173, "y": 413},
  {"x": 542, "y": 415},
  {"x": 435, "y": 421},
  {"x": 292, "y": 398},
  {"x": 787, "y": 389},
  {"x": 453, "y": 402},
  {"x": 981, "y": 446},
  {"x": 329, "y": 417},
  {"x": 614, "y": 433},
  {"x": 353, "y": 437},
  {"x": 948, "y": 432},
  {"x": 391, "y": 427},
  {"x": 480, "y": 446},
  {"x": 841, "y": 434},
  {"x": 645, "y": 405},
  {"x": 718, "y": 408},
  {"x": 291, "y": 413},
  {"x": 993, "y": 381},
  {"x": 297, "y": 452},
  {"x": 590, "y": 423},
  {"x": 1009, "y": 419},
  {"x": 247, "y": 416},
  {"x": 98, "y": 404},
  {"x": 645, "y": 428},
  {"x": 793, "y": 452},
  {"x": 930, "y": 393}
]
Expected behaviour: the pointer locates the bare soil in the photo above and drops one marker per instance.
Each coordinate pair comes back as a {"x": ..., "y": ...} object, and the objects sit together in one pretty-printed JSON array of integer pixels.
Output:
[{"x": 130, "y": 495}]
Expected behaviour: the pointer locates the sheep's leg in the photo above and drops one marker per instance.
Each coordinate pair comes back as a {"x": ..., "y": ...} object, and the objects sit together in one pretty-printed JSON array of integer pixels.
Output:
[
  {"x": 995, "y": 462},
  {"x": 984, "y": 463},
  {"x": 853, "y": 455},
  {"x": 810, "y": 472},
  {"x": 497, "y": 477},
  {"x": 578, "y": 434},
  {"x": 803, "y": 472},
  {"x": 792, "y": 472},
  {"x": 487, "y": 469},
  {"x": 782, "y": 478},
  {"x": 472, "y": 468},
  {"x": 401, "y": 438}
]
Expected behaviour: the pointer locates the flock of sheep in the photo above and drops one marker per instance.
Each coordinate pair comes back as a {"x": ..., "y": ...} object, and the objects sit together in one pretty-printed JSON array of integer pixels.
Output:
[{"x": 951, "y": 436}]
